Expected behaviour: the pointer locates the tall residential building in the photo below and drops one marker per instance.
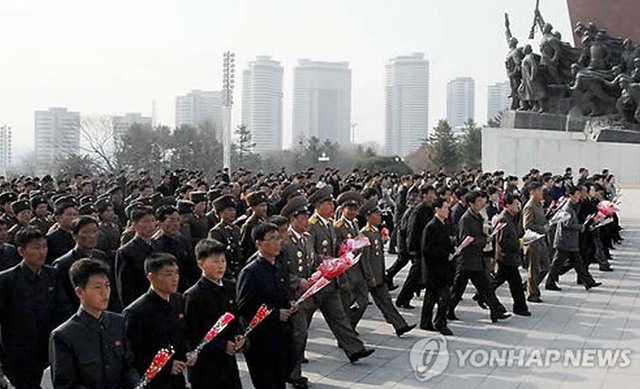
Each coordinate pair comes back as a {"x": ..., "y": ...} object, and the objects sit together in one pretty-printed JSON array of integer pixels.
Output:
[
  {"x": 57, "y": 134},
  {"x": 122, "y": 123},
  {"x": 5, "y": 149},
  {"x": 198, "y": 108},
  {"x": 407, "y": 104},
  {"x": 461, "y": 93},
  {"x": 498, "y": 99},
  {"x": 322, "y": 101},
  {"x": 262, "y": 103}
]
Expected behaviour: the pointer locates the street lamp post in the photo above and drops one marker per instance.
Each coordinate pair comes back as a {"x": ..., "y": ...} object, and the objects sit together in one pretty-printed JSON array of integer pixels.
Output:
[{"x": 228, "y": 79}]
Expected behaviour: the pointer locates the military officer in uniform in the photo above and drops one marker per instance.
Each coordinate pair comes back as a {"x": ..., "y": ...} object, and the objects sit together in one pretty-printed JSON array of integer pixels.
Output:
[
  {"x": 91, "y": 348},
  {"x": 212, "y": 195},
  {"x": 373, "y": 267},
  {"x": 185, "y": 210},
  {"x": 298, "y": 253},
  {"x": 258, "y": 202},
  {"x": 109, "y": 229},
  {"x": 199, "y": 223},
  {"x": 328, "y": 299},
  {"x": 6, "y": 198},
  {"x": 8, "y": 254},
  {"x": 353, "y": 291},
  {"x": 228, "y": 234},
  {"x": 40, "y": 210},
  {"x": 22, "y": 212}
]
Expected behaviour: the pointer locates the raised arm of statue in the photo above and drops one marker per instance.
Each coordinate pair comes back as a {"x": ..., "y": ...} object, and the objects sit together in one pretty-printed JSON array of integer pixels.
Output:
[{"x": 507, "y": 26}]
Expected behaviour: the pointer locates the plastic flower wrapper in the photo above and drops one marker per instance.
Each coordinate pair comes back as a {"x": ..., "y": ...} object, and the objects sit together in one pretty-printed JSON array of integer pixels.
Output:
[
  {"x": 313, "y": 289},
  {"x": 560, "y": 217},
  {"x": 608, "y": 208},
  {"x": 333, "y": 267},
  {"x": 499, "y": 227},
  {"x": 157, "y": 363},
  {"x": 530, "y": 237},
  {"x": 351, "y": 245},
  {"x": 217, "y": 328},
  {"x": 260, "y": 315},
  {"x": 465, "y": 243},
  {"x": 602, "y": 223}
]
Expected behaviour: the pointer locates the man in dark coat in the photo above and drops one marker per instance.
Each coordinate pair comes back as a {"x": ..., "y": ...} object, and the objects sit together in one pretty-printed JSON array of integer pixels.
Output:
[
  {"x": 437, "y": 269},
  {"x": 91, "y": 348},
  {"x": 258, "y": 202},
  {"x": 228, "y": 234},
  {"x": 8, "y": 254},
  {"x": 32, "y": 304},
  {"x": 265, "y": 281},
  {"x": 205, "y": 302},
  {"x": 131, "y": 279},
  {"x": 156, "y": 320},
  {"x": 60, "y": 240},
  {"x": 199, "y": 223},
  {"x": 471, "y": 264}
]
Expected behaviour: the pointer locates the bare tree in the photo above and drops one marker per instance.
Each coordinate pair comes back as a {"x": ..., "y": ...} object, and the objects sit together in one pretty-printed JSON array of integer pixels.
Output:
[{"x": 99, "y": 138}]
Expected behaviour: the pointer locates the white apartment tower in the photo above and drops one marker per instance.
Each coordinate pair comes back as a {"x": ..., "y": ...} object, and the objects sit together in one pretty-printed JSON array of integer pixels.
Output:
[
  {"x": 498, "y": 98},
  {"x": 262, "y": 103},
  {"x": 322, "y": 101},
  {"x": 461, "y": 94},
  {"x": 199, "y": 107},
  {"x": 5, "y": 149},
  {"x": 407, "y": 104},
  {"x": 57, "y": 134}
]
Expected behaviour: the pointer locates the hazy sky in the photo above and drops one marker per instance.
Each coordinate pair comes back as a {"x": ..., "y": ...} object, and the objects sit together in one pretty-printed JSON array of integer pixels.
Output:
[{"x": 118, "y": 56}]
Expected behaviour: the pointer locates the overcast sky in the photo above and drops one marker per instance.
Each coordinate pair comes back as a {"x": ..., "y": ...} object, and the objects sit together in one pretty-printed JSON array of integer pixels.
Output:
[{"x": 120, "y": 55}]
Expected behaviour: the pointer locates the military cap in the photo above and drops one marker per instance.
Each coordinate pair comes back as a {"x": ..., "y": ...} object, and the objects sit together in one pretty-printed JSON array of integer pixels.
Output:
[
  {"x": 154, "y": 198},
  {"x": 185, "y": 206},
  {"x": 87, "y": 209},
  {"x": 23, "y": 196},
  {"x": 47, "y": 178},
  {"x": 256, "y": 198},
  {"x": 214, "y": 194},
  {"x": 36, "y": 193},
  {"x": 87, "y": 199},
  {"x": 198, "y": 197},
  {"x": 321, "y": 195},
  {"x": 166, "y": 200},
  {"x": 37, "y": 200},
  {"x": 8, "y": 197},
  {"x": 67, "y": 199},
  {"x": 102, "y": 205},
  {"x": 114, "y": 189},
  {"x": 369, "y": 207},
  {"x": 131, "y": 207},
  {"x": 224, "y": 202},
  {"x": 291, "y": 190},
  {"x": 296, "y": 206},
  {"x": 350, "y": 199},
  {"x": 19, "y": 206}
]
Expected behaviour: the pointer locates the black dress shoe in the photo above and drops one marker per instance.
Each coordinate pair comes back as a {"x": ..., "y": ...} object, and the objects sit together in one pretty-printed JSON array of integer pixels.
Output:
[
  {"x": 365, "y": 352},
  {"x": 445, "y": 331},
  {"x": 452, "y": 316},
  {"x": 391, "y": 287},
  {"x": 304, "y": 360},
  {"x": 300, "y": 383},
  {"x": 534, "y": 299},
  {"x": 552, "y": 286},
  {"x": 522, "y": 313},
  {"x": 607, "y": 268},
  {"x": 499, "y": 316},
  {"x": 405, "y": 329},
  {"x": 594, "y": 285},
  {"x": 579, "y": 282}
]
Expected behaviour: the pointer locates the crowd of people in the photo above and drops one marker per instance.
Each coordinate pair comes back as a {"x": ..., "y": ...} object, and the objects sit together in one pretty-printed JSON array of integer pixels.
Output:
[{"x": 98, "y": 273}]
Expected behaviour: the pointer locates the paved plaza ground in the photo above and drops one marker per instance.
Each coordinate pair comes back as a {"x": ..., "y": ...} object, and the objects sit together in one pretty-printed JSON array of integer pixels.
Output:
[
  {"x": 606, "y": 318},
  {"x": 573, "y": 319}
]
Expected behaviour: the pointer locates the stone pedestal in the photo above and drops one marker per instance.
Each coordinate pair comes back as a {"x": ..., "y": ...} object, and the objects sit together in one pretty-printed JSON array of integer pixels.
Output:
[{"x": 542, "y": 121}]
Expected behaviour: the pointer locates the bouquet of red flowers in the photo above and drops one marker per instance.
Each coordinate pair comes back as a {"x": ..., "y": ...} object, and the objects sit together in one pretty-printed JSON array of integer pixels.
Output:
[
  {"x": 217, "y": 328},
  {"x": 607, "y": 208},
  {"x": 260, "y": 315},
  {"x": 157, "y": 363}
]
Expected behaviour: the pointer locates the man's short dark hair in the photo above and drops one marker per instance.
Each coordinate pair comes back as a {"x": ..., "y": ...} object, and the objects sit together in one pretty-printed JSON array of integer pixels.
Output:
[
  {"x": 472, "y": 196},
  {"x": 59, "y": 210},
  {"x": 534, "y": 185},
  {"x": 208, "y": 247},
  {"x": 156, "y": 261},
  {"x": 83, "y": 269},
  {"x": 164, "y": 212},
  {"x": 438, "y": 203},
  {"x": 424, "y": 189},
  {"x": 138, "y": 213},
  {"x": 261, "y": 230},
  {"x": 509, "y": 199},
  {"x": 571, "y": 190},
  {"x": 82, "y": 221},
  {"x": 278, "y": 220},
  {"x": 28, "y": 235}
]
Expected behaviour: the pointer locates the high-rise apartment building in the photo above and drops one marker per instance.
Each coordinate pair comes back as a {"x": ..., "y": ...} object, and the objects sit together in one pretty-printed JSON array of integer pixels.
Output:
[
  {"x": 461, "y": 93},
  {"x": 57, "y": 134}
]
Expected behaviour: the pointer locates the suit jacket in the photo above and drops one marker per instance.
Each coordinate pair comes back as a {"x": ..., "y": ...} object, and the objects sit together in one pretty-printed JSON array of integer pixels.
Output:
[
  {"x": 437, "y": 269},
  {"x": 86, "y": 352},
  {"x": 471, "y": 224},
  {"x": 567, "y": 236},
  {"x": 422, "y": 214},
  {"x": 205, "y": 302},
  {"x": 229, "y": 235},
  {"x": 246, "y": 241},
  {"x": 324, "y": 237},
  {"x": 345, "y": 230},
  {"x": 508, "y": 252},
  {"x": 31, "y": 306},
  {"x": 180, "y": 247},
  {"x": 131, "y": 279},
  {"x": 8, "y": 256},
  {"x": 300, "y": 259},
  {"x": 62, "y": 266},
  {"x": 59, "y": 243},
  {"x": 372, "y": 259},
  {"x": 153, "y": 323}
]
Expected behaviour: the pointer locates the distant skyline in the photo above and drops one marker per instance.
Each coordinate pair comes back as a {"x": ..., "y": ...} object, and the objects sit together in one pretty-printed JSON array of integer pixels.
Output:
[{"x": 118, "y": 57}]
